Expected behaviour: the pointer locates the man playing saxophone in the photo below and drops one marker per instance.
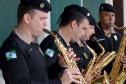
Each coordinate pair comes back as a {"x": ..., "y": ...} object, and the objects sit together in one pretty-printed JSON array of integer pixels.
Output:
[
  {"x": 73, "y": 25},
  {"x": 106, "y": 34},
  {"x": 84, "y": 52}
]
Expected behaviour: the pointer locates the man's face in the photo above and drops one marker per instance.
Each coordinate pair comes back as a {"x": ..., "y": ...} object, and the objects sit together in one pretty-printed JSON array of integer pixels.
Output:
[
  {"x": 107, "y": 18},
  {"x": 88, "y": 32},
  {"x": 83, "y": 30},
  {"x": 38, "y": 22},
  {"x": 92, "y": 31}
]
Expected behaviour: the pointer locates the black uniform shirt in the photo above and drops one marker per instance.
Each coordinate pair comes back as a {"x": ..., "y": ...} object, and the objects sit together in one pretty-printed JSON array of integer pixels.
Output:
[
  {"x": 51, "y": 51},
  {"x": 23, "y": 63},
  {"x": 109, "y": 43},
  {"x": 83, "y": 53}
]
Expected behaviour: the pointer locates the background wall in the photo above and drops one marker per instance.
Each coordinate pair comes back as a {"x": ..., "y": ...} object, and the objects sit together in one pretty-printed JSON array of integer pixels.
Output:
[
  {"x": 7, "y": 17},
  {"x": 93, "y": 6},
  {"x": 8, "y": 13},
  {"x": 58, "y": 6}
]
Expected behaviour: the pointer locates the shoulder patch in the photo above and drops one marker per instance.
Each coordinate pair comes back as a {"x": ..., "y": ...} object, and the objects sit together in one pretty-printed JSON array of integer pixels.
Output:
[
  {"x": 49, "y": 52},
  {"x": 10, "y": 55}
]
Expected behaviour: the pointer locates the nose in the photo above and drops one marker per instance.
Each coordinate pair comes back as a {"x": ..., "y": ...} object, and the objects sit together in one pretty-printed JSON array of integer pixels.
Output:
[
  {"x": 45, "y": 23},
  {"x": 110, "y": 18},
  {"x": 92, "y": 29}
]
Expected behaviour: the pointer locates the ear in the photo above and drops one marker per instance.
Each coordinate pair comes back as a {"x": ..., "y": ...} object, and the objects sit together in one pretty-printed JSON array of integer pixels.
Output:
[
  {"x": 74, "y": 24},
  {"x": 27, "y": 18}
]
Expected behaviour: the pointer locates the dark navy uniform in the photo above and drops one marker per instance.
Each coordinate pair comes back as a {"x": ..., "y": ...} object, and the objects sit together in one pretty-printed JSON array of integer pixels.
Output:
[
  {"x": 109, "y": 43},
  {"x": 83, "y": 53},
  {"x": 51, "y": 51},
  {"x": 23, "y": 63}
]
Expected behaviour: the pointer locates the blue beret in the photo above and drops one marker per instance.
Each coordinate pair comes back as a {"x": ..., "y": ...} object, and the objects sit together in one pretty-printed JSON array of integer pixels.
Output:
[
  {"x": 106, "y": 7},
  {"x": 42, "y": 5}
]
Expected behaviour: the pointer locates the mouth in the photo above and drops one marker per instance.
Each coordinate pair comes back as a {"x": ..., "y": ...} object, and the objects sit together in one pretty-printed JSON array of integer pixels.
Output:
[{"x": 82, "y": 37}]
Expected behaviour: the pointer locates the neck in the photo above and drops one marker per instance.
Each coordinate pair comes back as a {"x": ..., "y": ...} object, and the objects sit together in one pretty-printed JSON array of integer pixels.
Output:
[
  {"x": 23, "y": 32},
  {"x": 106, "y": 28},
  {"x": 65, "y": 34}
]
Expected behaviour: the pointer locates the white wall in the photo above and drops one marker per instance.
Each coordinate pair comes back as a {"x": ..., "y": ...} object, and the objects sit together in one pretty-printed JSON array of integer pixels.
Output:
[
  {"x": 82, "y": 2},
  {"x": 109, "y": 1}
]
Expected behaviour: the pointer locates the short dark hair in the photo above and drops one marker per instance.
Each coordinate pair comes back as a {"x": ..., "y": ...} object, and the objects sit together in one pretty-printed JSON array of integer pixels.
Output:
[
  {"x": 70, "y": 13},
  {"x": 21, "y": 10}
]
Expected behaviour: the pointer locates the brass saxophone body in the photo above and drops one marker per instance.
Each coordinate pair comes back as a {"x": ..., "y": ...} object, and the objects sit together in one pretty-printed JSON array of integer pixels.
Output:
[
  {"x": 102, "y": 60},
  {"x": 88, "y": 72},
  {"x": 115, "y": 74},
  {"x": 101, "y": 64},
  {"x": 69, "y": 63}
]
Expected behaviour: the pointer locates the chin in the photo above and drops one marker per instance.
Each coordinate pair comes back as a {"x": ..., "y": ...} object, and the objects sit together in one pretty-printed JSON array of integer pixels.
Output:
[{"x": 87, "y": 39}]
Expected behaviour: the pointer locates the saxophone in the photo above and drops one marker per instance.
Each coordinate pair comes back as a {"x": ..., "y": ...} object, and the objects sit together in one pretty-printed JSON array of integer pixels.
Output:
[
  {"x": 102, "y": 60},
  {"x": 88, "y": 72},
  {"x": 69, "y": 63},
  {"x": 115, "y": 74}
]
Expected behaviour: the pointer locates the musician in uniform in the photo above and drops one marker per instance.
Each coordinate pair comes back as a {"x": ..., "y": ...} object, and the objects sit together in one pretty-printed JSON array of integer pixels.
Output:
[
  {"x": 21, "y": 59},
  {"x": 73, "y": 25}
]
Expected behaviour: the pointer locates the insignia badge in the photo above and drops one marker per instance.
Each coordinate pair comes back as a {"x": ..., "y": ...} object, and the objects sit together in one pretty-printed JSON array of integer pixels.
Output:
[
  {"x": 88, "y": 14},
  {"x": 102, "y": 7},
  {"x": 115, "y": 37},
  {"x": 100, "y": 39},
  {"x": 49, "y": 52},
  {"x": 85, "y": 55},
  {"x": 11, "y": 55},
  {"x": 42, "y": 5}
]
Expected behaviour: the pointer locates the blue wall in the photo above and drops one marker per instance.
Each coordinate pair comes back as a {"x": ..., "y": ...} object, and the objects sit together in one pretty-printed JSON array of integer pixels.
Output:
[{"x": 93, "y": 6}]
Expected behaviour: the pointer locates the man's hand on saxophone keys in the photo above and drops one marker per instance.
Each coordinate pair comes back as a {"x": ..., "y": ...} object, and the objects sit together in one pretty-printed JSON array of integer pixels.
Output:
[
  {"x": 71, "y": 55},
  {"x": 123, "y": 60}
]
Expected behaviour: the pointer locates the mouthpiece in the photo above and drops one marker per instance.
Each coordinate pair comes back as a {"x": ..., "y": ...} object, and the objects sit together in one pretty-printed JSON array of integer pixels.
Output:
[{"x": 49, "y": 32}]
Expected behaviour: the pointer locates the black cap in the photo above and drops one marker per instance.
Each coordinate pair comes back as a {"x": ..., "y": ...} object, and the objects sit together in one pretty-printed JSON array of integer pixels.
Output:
[
  {"x": 88, "y": 14},
  {"x": 84, "y": 12},
  {"x": 106, "y": 7},
  {"x": 42, "y": 5},
  {"x": 92, "y": 20},
  {"x": 78, "y": 10}
]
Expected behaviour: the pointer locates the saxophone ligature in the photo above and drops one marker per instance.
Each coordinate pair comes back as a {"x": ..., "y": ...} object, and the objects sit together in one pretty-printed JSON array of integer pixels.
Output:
[{"x": 69, "y": 63}]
